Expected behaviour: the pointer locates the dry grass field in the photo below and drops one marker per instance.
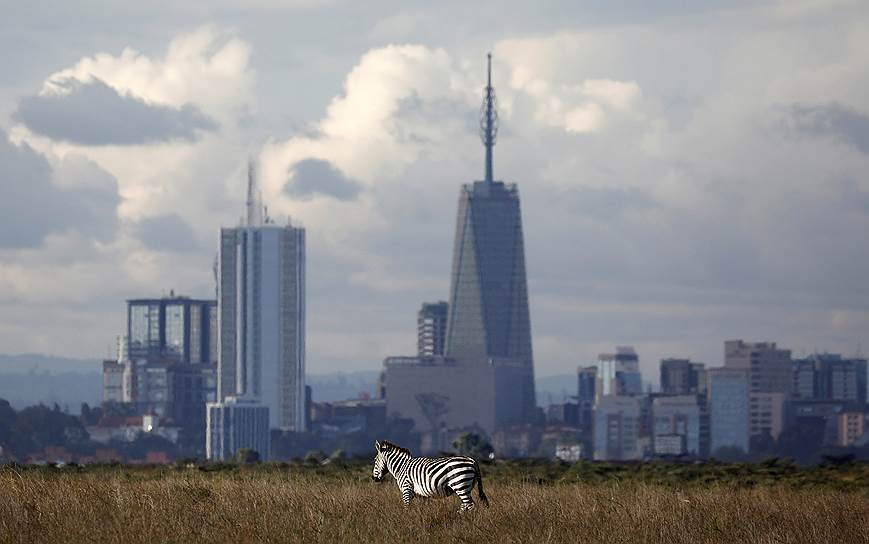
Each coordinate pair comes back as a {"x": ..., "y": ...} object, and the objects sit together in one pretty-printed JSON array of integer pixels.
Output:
[{"x": 123, "y": 505}]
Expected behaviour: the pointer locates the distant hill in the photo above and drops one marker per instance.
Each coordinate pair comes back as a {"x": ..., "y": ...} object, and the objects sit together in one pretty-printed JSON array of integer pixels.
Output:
[
  {"x": 32, "y": 379},
  {"x": 342, "y": 385},
  {"x": 29, "y": 379}
]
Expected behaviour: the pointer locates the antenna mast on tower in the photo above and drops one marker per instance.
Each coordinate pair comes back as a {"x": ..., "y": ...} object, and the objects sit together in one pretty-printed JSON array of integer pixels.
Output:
[
  {"x": 489, "y": 120},
  {"x": 254, "y": 209}
]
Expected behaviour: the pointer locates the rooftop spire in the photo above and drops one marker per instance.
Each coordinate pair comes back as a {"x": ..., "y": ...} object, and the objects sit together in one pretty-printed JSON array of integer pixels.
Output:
[
  {"x": 254, "y": 208},
  {"x": 489, "y": 120}
]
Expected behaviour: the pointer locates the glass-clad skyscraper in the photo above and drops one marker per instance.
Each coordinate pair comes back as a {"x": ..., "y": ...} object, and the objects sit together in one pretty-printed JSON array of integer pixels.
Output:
[
  {"x": 175, "y": 329},
  {"x": 728, "y": 409},
  {"x": 485, "y": 377},
  {"x": 489, "y": 296},
  {"x": 489, "y": 323}
]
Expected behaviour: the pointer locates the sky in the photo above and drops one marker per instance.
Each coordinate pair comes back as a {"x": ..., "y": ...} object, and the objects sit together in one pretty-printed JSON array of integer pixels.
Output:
[{"x": 689, "y": 171}]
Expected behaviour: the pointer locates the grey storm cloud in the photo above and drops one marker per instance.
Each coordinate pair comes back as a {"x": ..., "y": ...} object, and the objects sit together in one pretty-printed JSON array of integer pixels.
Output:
[
  {"x": 93, "y": 113},
  {"x": 310, "y": 177},
  {"x": 33, "y": 206},
  {"x": 169, "y": 232},
  {"x": 833, "y": 119},
  {"x": 605, "y": 202}
]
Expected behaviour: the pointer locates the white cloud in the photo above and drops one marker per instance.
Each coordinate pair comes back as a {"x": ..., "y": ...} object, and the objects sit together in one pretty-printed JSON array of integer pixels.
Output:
[{"x": 206, "y": 67}]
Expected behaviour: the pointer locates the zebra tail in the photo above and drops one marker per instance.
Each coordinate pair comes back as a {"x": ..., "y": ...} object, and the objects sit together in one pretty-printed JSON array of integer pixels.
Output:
[{"x": 483, "y": 498}]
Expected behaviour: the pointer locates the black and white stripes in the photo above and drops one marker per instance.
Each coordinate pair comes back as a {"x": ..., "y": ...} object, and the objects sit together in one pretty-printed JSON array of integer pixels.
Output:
[{"x": 428, "y": 477}]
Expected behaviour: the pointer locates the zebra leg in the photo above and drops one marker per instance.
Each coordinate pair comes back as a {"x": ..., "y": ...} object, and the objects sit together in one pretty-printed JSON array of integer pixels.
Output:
[
  {"x": 406, "y": 494},
  {"x": 467, "y": 500}
]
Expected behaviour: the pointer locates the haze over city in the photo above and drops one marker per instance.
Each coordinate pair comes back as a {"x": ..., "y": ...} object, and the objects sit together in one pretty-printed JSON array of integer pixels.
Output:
[{"x": 689, "y": 173}]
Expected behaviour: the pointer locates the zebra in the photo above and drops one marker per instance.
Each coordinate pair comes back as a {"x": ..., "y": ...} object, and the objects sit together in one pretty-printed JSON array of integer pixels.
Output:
[{"x": 428, "y": 477}]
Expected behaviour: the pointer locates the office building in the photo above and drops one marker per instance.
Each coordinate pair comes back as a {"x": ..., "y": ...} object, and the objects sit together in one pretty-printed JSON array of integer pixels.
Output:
[
  {"x": 728, "y": 393},
  {"x": 166, "y": 389},
  {"x": 837, "y": 378},
  {"x": 113, "y": 381},
  {"x": 676, "y": 416},
  {"x": 804, "y": 387},
  {"x": 769, "y": 368},
  {"x": 682, "y": 377},
  {"x": 261, "y": 294},
  {"x": 616, "y": 429},
  {"x": 235, "y": 424},
  {"x": 431, "y": 329},
  {"x": 587, "y": 393},
  {"x": 486, "y": 376},
  {"x": 829, "y": 376},
  {"x": 851, "y": 428},
  {"x": 766, "y": 414},
  {"x": 172, "y": 329},
  {"x": 618, "y": 373},
  {"x": 566, "y": 413}
]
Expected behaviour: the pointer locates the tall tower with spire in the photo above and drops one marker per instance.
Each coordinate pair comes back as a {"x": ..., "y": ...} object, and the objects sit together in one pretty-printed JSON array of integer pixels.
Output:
[
  {"x": 485, "y": 378},
  {"x": 489, "y": 321},
  {"x": 261, "y": 308}
]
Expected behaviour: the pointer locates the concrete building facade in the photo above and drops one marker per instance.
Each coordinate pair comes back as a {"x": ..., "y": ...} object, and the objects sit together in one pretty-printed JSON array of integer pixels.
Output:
[
  {"x": 431, "y": 326},
  {"x": 852, "y": 427},
  {"x": 234, "y": 424},
  {"x": 261, "y": 293},
  {"x": 676, "y": 416},
  {"x": 770, "y": 369},
  {"x": 616, "y": 429},
  {"x": 767, "y": 414}
]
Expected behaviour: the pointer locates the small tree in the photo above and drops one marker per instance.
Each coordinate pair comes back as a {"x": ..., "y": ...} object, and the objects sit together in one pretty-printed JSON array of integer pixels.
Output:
[
  {"x": 314, "y": 457},
  {"x": 473, "y": 445},
  {"x": 247, "y": 456}
]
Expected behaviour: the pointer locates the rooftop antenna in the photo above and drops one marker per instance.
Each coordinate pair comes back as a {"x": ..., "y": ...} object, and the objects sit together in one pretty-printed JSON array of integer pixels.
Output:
[
  {"x": 254, "y": 197},
  {"x": 214, "y": 269},
  {"x": 489, "y": 120}
]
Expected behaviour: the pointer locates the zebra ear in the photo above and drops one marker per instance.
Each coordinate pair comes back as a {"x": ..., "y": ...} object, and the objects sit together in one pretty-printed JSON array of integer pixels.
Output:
[{"x": 377, "y": 445}]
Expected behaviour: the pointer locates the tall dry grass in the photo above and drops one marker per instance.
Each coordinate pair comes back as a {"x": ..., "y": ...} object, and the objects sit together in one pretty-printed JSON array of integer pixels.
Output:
[{"x": 190, "y": 506}]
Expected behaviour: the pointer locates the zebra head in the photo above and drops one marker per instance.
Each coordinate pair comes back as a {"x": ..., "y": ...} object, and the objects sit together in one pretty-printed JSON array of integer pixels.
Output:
[{"x": 380, "y": 468}]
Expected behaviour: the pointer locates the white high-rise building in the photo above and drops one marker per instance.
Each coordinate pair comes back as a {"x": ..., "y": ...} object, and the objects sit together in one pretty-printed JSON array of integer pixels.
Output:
[{"x": 261, "y": 315}]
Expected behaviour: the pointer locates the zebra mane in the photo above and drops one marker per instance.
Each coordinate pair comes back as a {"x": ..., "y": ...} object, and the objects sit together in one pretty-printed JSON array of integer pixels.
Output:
[{"x": 389, "y": 446}]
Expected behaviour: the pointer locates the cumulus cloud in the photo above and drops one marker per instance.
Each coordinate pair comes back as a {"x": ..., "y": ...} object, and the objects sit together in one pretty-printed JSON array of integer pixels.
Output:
[
  {"x": 311, "y": 177},
  {"x": 361, "y": 133},
  {"x": 585, "y": 107},
  {"x": 39, "y": 200},
  {"x": 166, "y": 108},
  {"x": 207, "y": 68},
  {"x": 92, "y": 113}
]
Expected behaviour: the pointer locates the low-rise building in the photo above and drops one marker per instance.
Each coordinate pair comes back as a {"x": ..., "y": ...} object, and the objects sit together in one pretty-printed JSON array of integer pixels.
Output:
[
  {"x": 234, "y": 424},
  {"x": 766, "y": 414},
  {"x": 570, "y": 453},
  {"x": 852, "y": 427},
  {"x": 670, "y": 445},
  {"x": 676, "y": 416}
]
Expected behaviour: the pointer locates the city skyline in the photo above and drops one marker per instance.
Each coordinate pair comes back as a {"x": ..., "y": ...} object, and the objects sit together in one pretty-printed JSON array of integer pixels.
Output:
[{"x": 717, "y": 196}]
